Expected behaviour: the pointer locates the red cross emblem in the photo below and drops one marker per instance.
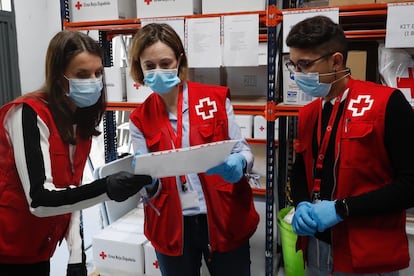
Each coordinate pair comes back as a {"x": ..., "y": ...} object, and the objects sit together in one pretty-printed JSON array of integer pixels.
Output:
[
  {"x": 155, "y": 264},
  {"x": 360, "y": 105},
  {"x": 148, "y": 1},
  {"x": 103, "y": 255},
  {"x": 407, "y": 82},
  {"x": 78, "y": 5},
  {"x": 261, "y": 128},
  {"x": 206, "y": 108},
  {"x": 136, "y": 85}
]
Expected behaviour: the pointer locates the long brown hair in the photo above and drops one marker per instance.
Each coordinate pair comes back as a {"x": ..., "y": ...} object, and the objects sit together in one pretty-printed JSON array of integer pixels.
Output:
[{"x": 63, "y": 47}]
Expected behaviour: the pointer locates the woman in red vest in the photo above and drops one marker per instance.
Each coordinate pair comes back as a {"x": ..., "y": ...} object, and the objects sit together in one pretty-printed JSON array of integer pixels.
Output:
[
  {"x": 207, "y": 214},
  {"x": 45, "y": 140}
]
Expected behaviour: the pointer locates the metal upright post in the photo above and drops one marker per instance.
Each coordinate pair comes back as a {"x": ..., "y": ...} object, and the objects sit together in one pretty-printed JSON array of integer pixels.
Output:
[
  {"x": 109, "y": 120},
  {"x": 270, "y": 141}
]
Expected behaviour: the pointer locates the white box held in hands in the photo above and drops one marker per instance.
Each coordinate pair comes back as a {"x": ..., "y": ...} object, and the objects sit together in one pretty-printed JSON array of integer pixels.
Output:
[{"x": 101, "y": 10}]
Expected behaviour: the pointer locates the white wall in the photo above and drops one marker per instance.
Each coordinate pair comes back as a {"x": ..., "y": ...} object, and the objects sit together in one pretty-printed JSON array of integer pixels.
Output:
[{"x": 36, "y": 23}]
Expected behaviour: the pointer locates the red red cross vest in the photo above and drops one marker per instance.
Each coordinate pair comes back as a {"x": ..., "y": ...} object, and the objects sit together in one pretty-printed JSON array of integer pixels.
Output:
[
  {"x": 360, "y": 244},
  {"x": 26, "y": 238},
  {"x": 232, "y": 218}
]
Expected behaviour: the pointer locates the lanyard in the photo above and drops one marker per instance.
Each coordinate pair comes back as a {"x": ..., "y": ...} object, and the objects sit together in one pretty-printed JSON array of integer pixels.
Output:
[
  {"x": 177, "y": 136},
  {"x": 323, "y": 144}
]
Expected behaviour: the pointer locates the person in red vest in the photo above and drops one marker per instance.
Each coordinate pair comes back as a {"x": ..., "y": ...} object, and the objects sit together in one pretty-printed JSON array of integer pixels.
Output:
[
  {"x": 45, "y": 140},
  {"x": 353, "y": 176},
  {"x": 208, "y": 214}
]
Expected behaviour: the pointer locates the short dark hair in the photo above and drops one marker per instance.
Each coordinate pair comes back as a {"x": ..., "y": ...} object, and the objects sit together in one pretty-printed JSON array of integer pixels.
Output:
[{"x": 320, "y": 34}]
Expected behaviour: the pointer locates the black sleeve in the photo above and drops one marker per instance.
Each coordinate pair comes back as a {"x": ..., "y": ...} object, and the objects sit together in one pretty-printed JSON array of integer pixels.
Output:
[
  {"x": 399, "y": 139},
  {"x": 36, "y": 170},
  {"x": 298, "y": 183}
]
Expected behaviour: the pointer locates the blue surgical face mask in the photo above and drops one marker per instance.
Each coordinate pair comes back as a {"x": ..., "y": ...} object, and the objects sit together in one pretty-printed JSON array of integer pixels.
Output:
[
  {"x": 85, "y": 92},
  {"x": 310, "y": 85},
  {"x": 161, "y": 81}
]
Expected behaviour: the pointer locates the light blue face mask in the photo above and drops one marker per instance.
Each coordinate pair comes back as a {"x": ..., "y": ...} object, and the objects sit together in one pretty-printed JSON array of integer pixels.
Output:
[
  {"x": 85, "y": 92},
  {"x": 161, "y": 81},
  {"x": 310, "y": 85}
]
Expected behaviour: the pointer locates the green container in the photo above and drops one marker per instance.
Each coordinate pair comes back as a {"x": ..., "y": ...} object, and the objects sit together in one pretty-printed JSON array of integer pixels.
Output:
[{"x": 293, "y": 261}]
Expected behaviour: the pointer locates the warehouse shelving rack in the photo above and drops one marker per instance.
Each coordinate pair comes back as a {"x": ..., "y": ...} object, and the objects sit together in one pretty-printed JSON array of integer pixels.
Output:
[
  {"x": 268, "y": 21},
  {"x": 360, "y": 22}
]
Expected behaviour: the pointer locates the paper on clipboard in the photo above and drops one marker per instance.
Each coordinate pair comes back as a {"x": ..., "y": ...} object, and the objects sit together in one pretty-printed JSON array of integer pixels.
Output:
[{"x": 182, "y": 161}]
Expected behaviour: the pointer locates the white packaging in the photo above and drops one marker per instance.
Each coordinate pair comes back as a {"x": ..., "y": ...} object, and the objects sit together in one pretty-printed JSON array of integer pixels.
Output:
[
  {"x": 247, "y": 81},
  {"x": 260, "y": 128},
  {"x": 152, "y": 267},
  {"x": 101, "y": 10},
  {"x": 396, "y": 67},
  {"x": 222, "y": 6},
  {"x": 160, "y": 8},
  {"x": 292, "y": 94},
  {"x": 115, "y": 84},
  {"x": 119, "y": 248},
  {"x": 136, "y": 92},
  {"x": 245, "y": 123},
  {"x": 151, "y": 263}
]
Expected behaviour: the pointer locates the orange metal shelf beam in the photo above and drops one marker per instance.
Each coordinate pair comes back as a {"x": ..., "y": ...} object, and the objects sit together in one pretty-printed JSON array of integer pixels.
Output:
[{"x": 355, "y": 11}]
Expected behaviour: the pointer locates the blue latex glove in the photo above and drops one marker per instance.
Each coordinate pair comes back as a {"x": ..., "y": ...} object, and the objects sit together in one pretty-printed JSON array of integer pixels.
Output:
[
  {"x": 231, "y": 170},
  {"x": 324, "y": 213},
  {"x": 302, "y": 222}
]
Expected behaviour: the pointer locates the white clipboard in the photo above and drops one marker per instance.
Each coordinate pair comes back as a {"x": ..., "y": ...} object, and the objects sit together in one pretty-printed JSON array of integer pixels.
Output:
[{"x": 195, "y": 159}]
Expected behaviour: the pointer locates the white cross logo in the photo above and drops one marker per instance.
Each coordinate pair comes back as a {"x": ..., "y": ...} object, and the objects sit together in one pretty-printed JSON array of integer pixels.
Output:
[
  {"x": 360, "y": 105},
  {"x": 206, "y": 108}
]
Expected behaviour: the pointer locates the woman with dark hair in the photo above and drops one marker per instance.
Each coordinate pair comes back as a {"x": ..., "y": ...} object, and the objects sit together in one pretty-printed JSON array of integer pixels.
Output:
[{"x": 45, "y": 139}]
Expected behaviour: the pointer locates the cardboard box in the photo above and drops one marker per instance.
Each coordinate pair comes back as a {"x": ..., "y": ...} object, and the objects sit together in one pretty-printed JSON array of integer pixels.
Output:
[
  {"x": 158, "y": 8},
  {"x": 349, "y": 2},
  {"x": 136, "y": 92},
  {"x": 245, "y": 123},
  {"x": 101, "y": 10},
  {"x": 291, "y": 92},
  {"x": 206, "y": 75},
  {"x": 247, "y": 81},
  {"x": 151, "y": 263},
  {"x": 357, "y": 62},
  {"x": 260, "y": 128},
  {"x": 314, "y": 3},
  {"x": 115, "y": 84},
  {"x": 119, "y": 248},
  {"x": 223, "y": 6}
]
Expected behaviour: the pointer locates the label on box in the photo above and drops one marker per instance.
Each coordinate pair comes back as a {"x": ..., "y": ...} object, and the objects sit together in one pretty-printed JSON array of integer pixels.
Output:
[{"x": 101, "y": 10}]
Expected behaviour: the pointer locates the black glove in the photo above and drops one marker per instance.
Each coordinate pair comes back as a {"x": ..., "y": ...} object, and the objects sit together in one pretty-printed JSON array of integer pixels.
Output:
[
  {"x": 120, "y": 186},
  {"x": 77, "y": 270}
]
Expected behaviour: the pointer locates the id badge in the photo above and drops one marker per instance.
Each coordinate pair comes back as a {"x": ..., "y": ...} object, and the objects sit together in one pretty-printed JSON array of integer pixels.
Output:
[{"x": 189, "y": 200}]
